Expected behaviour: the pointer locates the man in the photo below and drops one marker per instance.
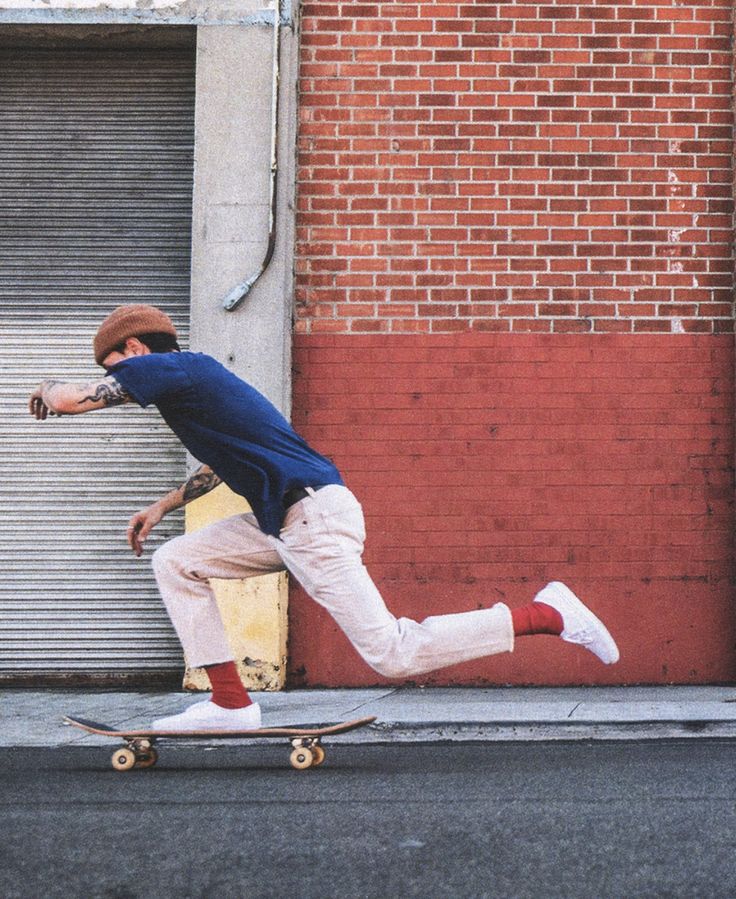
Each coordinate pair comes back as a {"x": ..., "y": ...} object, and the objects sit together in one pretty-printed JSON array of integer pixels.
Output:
[{"x": 304, "y": 519}]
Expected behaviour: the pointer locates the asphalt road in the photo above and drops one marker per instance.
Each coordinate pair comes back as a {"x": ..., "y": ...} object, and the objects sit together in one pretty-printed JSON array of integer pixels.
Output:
[{"x": 467, "y": 820}]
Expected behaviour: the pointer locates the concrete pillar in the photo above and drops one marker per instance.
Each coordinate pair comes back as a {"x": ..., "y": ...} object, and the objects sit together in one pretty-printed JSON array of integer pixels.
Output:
[{"x": 230, "y": 231}]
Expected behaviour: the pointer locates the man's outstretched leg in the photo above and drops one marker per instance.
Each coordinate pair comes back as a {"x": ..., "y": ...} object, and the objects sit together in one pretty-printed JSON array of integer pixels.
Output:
[{"x": 322, "y": 545}]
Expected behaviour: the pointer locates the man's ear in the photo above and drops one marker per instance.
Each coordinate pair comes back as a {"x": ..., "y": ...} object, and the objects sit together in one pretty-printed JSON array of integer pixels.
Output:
[{"x": 136, "y": 347}]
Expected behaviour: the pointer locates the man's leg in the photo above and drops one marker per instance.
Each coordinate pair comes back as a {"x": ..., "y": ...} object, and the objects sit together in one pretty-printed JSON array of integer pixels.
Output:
[
  {"x": 322, "y": 544},
  {"x": 233, "y": 548}
]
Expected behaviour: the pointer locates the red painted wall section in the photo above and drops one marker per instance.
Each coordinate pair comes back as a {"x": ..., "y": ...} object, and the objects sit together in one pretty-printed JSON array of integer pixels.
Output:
[{"x": 489, "y": 464}]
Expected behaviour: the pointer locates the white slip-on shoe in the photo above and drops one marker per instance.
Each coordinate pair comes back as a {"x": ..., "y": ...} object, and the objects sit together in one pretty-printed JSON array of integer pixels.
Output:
[
  {"x": 208, "y": 716},
  {"x": 580, "y": 625}
]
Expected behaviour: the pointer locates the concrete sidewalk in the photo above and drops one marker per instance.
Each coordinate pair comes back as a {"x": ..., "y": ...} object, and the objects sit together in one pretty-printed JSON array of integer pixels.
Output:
[{"x": 34, "y": 717}]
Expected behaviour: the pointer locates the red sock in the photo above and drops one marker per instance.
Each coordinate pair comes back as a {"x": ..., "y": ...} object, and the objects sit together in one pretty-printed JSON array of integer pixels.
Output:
[
  {"x": 227, "y": 688},
  {"x": 537, "y": 618}
]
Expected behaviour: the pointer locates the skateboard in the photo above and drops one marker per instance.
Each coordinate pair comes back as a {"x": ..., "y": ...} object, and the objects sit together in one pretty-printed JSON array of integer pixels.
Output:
[{"x": 140, "y": 751}]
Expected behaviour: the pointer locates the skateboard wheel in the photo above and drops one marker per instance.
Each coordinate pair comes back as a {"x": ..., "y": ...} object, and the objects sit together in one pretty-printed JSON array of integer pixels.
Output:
[
  {"x": 301, "y": 758},
  {"x": 147, "y": 759},
  {"x": 319, "y": 755},
  {"x": 123, "y": 759}
]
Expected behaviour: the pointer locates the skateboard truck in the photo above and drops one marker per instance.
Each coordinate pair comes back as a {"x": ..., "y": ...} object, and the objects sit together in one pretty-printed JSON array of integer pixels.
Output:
[
  {"x": 135, "y": 754},
  {"x": 307, "y": 752}
]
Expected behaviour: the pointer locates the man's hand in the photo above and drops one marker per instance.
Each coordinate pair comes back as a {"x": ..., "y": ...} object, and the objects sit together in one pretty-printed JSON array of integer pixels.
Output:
[
  {"x": 36, "y": 404},
  {"x": 141, "y": 525}
]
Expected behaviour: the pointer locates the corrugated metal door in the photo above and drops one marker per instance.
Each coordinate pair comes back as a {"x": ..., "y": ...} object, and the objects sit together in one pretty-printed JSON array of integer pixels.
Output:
[{"x": 96, "y": 168}]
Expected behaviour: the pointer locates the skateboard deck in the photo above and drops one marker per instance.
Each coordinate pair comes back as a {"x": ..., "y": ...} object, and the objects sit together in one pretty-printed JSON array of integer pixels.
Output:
[{"x": 139, "y": 750}]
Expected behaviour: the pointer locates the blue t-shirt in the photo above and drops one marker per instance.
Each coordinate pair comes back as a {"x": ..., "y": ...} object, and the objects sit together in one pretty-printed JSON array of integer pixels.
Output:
[{"x": 230, "y": 426}]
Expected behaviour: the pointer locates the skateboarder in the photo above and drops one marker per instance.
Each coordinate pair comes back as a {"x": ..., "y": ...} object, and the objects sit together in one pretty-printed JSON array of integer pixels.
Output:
[{"x": 304, "y": 519}]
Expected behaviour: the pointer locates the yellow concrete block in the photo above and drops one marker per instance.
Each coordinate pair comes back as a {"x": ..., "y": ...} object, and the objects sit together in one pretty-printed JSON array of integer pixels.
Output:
[{"x": 254, "y": 610}]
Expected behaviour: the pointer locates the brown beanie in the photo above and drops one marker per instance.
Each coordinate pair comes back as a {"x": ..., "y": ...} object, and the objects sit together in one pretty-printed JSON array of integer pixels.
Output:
[{"x": 130, "y": 321}]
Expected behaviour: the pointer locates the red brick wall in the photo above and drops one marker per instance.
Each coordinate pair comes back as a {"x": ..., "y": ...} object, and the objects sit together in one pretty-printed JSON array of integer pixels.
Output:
[
  {"x": 472, "y": 171},
  {"x": 526, "y": 166},
  {"x": 490, "y": 464}
]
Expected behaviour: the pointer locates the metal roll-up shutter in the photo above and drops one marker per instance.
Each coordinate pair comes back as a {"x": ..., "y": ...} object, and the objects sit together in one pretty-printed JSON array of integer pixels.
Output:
[{"x": 96, "y": 171}]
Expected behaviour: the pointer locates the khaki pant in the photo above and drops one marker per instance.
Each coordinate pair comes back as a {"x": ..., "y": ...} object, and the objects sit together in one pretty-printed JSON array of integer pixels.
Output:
[{"x": 321, "y": 544}]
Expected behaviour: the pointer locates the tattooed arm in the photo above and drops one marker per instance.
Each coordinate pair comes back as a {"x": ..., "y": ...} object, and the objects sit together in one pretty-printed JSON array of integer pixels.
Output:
[
  {"x": 66, "y": 398},
  {"x": 141, "y": 524},
  {"x": 202, "y": 481}
]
